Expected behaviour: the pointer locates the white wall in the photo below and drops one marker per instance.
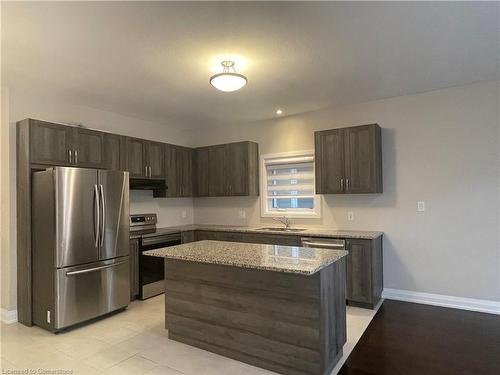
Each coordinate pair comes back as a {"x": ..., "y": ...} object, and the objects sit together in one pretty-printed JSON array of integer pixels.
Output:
[
  {"x": 441, "y": 147},
  {"x": 17, "y": 106}
]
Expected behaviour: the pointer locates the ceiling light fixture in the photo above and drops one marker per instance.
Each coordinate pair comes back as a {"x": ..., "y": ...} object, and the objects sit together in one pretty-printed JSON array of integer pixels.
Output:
[
  {"x": 279, "y": 112},
  {"x": 228, "y": 81}
]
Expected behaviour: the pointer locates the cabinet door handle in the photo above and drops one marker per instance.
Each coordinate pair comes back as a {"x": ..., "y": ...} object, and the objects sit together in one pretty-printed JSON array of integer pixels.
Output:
[
  {"x": 76, "y": 156},
  {"x": 341, "y": 184},
  {"x": 70, "y": 156},
  {"x": 150, "y": 173},
  {"x": 146, "y": 168},
  {"x": 347, "y": 184}
]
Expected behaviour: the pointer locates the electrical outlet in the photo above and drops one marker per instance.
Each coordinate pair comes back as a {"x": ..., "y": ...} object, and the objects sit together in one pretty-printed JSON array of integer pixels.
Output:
[
  {"x": 242, "y": 214},
  {"x": 350, "y": 216},
  {"x": 420, "y": 206},
  {"x": 183, "y": 214}
]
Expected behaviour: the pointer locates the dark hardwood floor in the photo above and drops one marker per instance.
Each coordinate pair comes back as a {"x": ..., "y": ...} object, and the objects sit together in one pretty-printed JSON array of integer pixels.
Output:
[{"x": 407, "y": 338}]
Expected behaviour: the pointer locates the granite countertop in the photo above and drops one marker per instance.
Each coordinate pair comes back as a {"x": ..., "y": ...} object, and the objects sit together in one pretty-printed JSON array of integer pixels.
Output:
[
  {"x": 288, "y": 259},
  {"x": 308, "y": 232}
]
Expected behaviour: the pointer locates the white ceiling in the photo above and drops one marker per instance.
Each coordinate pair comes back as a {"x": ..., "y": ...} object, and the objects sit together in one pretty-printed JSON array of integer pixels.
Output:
[{"x": 152, "y": 60}]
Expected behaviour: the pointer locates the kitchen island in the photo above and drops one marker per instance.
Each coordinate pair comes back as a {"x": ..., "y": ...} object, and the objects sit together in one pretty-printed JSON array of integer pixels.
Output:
[{"x": 277, "y": 307}]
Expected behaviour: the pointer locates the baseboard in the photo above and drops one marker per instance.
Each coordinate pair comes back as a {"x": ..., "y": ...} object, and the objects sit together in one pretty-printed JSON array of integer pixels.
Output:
[
  {"x": 472, "y": 304},
  {"x": 9, "y": 316}
]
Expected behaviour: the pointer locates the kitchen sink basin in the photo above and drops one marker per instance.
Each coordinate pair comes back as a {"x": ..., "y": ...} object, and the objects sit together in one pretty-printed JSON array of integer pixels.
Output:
[{"x": 274, "y": 229}]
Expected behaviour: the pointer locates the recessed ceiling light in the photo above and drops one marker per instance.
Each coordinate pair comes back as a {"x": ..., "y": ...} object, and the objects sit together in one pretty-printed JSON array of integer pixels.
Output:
[
  {"x": 279, "y": 112},
  {"x": 228, "y": 81}
]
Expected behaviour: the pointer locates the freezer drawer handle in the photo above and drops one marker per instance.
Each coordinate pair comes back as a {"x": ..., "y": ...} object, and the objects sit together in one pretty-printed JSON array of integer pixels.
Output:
[
  {"x": 72, "y": 273},
  {"x": 323, "y": 245}
]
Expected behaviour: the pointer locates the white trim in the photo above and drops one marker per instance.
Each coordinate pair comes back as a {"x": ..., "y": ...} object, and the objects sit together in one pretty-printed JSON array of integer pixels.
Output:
[
  {"x": 303, "y": 155},
  {"x": 472, "y": 304},
  {"x": 9, "y": 316}
]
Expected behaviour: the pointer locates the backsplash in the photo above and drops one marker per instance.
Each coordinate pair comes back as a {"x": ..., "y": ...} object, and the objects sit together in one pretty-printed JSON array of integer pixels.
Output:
[{"x": 170, "y": 211}]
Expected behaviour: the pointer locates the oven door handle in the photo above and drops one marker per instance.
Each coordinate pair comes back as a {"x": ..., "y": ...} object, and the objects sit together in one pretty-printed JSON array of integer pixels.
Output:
[{"x": 175, "y": 239}]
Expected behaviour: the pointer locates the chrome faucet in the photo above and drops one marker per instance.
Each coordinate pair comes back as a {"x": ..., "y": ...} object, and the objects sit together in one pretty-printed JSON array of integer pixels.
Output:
[{"x": 283, "y": 220}]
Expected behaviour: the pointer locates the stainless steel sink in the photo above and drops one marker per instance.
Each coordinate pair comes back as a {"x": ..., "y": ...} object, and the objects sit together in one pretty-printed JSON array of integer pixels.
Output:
[{"x": 273, "y": 229}]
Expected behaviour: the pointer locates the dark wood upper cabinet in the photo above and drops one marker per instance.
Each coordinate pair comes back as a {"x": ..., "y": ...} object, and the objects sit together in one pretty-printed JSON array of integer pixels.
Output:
[
  {"x": 201, "y": 173},
  {"x": 145, "y": 159},
  {"x": 136, "y": 158},
  {"x": 364, "y": 162},
  {"x": 156, "y": 159},
  {"x": 242, "y": 165},
  {"x": 329, "y": 161},
  {"x": 186, "y": 168},
  {"x": 88, "y": 148},
  {"x": 179, "y": 171},
  {"x": 112, "y": 152},
  {"x": 217, "y": 171},
  {"x": 62, "y": 145},
  {"x": 227, "y": 170},
  {"x": 50, "y": 143},
  {"x": 349, "y": 160}
]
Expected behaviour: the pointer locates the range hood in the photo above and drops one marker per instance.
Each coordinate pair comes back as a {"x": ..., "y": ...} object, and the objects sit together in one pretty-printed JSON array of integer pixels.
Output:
[{"x": 159, "y": 186}]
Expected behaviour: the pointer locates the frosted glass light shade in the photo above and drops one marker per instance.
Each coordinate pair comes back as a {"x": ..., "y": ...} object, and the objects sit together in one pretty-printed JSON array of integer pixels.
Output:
[{"x": 228, "y": 82}]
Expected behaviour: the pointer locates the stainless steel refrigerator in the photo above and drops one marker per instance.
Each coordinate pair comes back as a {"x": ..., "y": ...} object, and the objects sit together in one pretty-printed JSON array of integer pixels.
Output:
[{"x": 80, "y": 245}]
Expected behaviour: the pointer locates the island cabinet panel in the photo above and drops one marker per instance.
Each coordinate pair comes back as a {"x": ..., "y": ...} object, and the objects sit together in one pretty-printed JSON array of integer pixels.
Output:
[
  {"x": 288, "y": 323},
  {"x": 348, "y": 160}
]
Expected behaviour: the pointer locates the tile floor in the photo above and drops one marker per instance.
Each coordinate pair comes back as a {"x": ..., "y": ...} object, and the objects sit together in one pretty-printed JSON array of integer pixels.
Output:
[{"x": 131, "y": 342}]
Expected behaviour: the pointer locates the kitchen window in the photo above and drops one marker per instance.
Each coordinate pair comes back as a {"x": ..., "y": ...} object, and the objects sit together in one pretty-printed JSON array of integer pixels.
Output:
[{"x": 287, "y": 185}]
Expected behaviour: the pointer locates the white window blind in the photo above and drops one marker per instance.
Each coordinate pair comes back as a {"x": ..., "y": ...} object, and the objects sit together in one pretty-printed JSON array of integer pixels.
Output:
[{"x": 289, "y": 185}]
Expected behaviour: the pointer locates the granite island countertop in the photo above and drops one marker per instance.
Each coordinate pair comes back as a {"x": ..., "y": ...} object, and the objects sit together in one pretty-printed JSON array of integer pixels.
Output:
[
  {"x": 307, "y": 232},
  {"x": 288, "y": 259}
]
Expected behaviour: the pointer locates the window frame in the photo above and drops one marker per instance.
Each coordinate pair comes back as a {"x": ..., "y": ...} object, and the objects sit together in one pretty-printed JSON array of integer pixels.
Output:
[{"x": 315, "y": 213}]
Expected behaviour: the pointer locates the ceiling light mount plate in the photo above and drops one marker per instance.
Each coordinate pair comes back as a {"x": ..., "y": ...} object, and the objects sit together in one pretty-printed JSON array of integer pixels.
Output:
[{"x": 228, "y": 81}]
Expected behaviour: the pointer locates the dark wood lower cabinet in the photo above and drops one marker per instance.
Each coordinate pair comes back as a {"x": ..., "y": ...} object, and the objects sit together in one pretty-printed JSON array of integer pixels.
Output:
[
  {"x": 188, "y": 236},
  {"x": 134, "y": 268},
  {"x": 364, "y": 272},
  {"x": 364, "y": 262}
]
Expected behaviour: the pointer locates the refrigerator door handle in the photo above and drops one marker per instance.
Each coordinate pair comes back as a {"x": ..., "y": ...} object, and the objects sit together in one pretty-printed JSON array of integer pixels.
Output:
[
  {"x": 94, "y": 269},
  {"x": 97, "y": 210},
  {"x": 103, "y": 210}
]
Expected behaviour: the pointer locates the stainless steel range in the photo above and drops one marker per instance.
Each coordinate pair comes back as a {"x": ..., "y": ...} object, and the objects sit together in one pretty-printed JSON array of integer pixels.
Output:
[{"x": 151, "y": 269}]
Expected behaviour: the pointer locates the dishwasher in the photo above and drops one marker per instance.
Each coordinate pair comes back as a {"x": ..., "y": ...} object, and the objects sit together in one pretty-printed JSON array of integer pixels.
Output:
[{"x": 323, "y": 243}]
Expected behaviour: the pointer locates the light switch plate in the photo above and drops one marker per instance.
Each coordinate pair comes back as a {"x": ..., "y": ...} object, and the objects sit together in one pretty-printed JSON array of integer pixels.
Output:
[
  {"x": 183, "y": 214},
  {"x": 350, "y": 215},
  {"x": 420, "y": 206},
  {"x": 242, "y": 214}
]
